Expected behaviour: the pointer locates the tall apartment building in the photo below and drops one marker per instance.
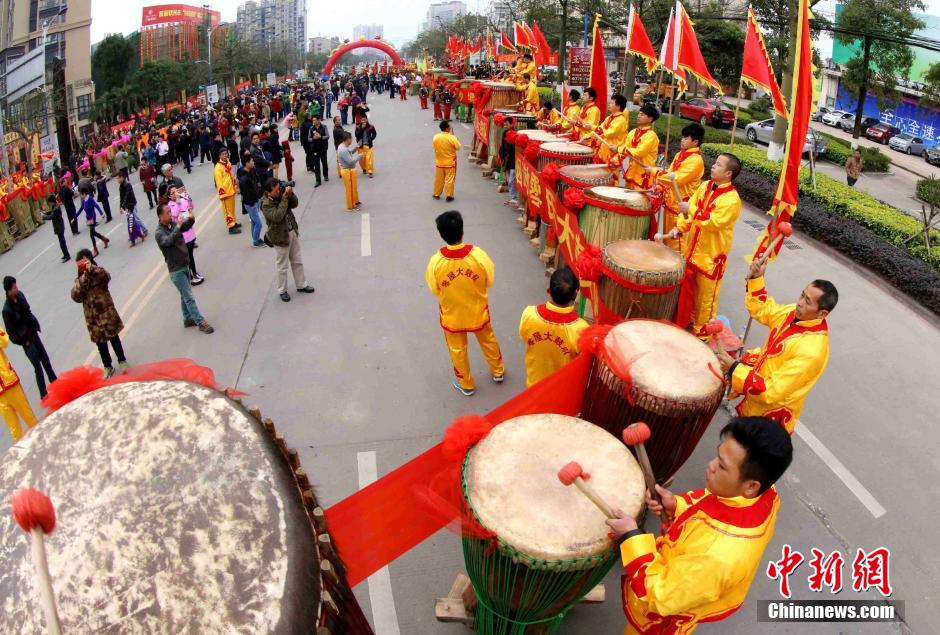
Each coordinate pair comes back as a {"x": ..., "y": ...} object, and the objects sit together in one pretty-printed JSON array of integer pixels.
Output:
[
  {"x": 500, "y": 15},
  {"x": 323, "y": 45},
  {"x": 367, "y": 31},
  {"x": 67, "y": 96},
  {"x": 444, "y": 12},
  {"x": 277, "y": 22}
]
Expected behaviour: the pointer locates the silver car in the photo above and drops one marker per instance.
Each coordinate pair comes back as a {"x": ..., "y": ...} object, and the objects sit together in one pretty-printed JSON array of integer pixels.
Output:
[
  {"x": 906, "y": 142},
  {"x": 835, "y": 117},
  {"x": 763, "y": 132}
]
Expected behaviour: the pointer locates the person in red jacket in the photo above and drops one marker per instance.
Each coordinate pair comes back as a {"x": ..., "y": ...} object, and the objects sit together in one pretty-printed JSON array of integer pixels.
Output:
[{"x": 288, "y": 159}]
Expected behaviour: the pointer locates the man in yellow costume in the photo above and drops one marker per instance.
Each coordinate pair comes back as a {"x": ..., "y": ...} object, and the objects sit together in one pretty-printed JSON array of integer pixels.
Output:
[
  {"x": 550, "y": 331},
  {"x": 687, "y": 168},
  {"x": 614, "y": 129},
  {"x": 227, "y": 187},
  {"x": 525, "y": 65},
  {"x": 547, "y": 117},
  {"x": 530, "y": 95},
  {"x": 702, "y": 566},
  {"x": 589, "y": 117},
  {"x": 775, "y": 379},
  {"x": 641, "y": 144},
  {"x": 572, "y": 113},
  {"x": 13, "y": 402},
  {"x": 446, "y": 146},
  {"x": 460, "y": 276},
  {"x": 708, "y": 229}
]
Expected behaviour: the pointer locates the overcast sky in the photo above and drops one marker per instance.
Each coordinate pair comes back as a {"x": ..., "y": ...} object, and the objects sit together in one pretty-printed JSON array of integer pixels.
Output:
[{"x": 402, "y": 18}]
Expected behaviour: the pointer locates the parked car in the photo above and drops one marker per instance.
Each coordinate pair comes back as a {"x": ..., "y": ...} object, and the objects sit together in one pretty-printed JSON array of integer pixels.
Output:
[
  {"x": 763, "y": 131},
  {"x": 849, "y": 124},
  {"x": 835, "y": 118},
  {"x": 882, "y": 132},
  {"x": 906, "y": 142},
  {"x": 820, "y": 112},
  {"x": 707, "y": 111},
  {"x": 933, "y": 155}
]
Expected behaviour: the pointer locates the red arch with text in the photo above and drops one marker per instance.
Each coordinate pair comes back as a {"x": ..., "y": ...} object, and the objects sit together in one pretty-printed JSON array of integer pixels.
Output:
[{"x": 351, "y": 46}]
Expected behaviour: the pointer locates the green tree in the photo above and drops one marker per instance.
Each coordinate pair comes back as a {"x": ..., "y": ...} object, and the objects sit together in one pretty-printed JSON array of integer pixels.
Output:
[
  {"x": 880, "y": 62},
  {"x": 113, "y": 63}
]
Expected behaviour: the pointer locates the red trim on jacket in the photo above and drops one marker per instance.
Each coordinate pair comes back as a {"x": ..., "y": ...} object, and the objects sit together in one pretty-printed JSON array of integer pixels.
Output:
[
  {"x": 555, "y": 317},
  {"x": 456, "y": 254},
  {"x": 742, "y": 517}
]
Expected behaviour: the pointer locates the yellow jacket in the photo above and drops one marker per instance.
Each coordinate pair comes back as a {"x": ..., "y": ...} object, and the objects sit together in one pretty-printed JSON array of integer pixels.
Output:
[
  {"x": 550, "y": 334},
  {"x": 590, "y": 116},
  {"x": 445, "y": 145},
  {"x": 550, "y": 118},
  {"x": 530, "y": 100},
  {"x": 775, "y": 379},
  {"x": 643, "y": 145},
  {"x": 573, "y": 112},
  {"x": 224, "y": 180},
  {"x": 521, "y": 68},
  {"x": 688, "y": 167},
  {"x": 614, "y": 129},
  {"x": 700, "y": 570},
  {"x": 713, "y": 210},
  {"x": 460, "y": 276},
  {"x": 8, "y": 376}
]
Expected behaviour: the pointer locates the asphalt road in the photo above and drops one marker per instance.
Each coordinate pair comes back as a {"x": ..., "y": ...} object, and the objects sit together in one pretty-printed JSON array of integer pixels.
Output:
[{"x": 358, "y": 372}]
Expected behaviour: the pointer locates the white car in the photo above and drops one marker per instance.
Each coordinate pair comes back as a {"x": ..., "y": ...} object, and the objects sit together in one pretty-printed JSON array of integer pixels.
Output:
[
  {"x": 833, "y": 118},
  {"x": 763, "y": 132}
]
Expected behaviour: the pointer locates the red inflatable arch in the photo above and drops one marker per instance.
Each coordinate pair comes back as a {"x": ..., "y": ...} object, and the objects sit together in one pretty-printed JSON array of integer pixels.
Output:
[{"x": 351, "y": 46}]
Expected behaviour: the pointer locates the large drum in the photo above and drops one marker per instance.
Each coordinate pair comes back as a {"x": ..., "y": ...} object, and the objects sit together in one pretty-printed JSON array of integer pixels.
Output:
[
  {"x": 658, "y": 373},
  {"x": 502, "y": 95},
  {"x": 614, "y": 213},
  {"x": 177, "y": 512},
  {"x": 564, "y": 153},
  {"x": 646, "y": 279},
  {"x": 583, "y": 177},
  {"x": 551, "y": 544}
]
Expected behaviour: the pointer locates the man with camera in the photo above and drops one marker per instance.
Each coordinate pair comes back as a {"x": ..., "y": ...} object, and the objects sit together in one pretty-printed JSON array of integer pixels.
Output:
[{"x": 283, "y": 234}]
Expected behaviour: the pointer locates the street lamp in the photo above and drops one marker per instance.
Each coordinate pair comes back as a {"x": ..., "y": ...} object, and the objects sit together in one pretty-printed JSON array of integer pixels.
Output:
[{"x": 209, "y": 30}]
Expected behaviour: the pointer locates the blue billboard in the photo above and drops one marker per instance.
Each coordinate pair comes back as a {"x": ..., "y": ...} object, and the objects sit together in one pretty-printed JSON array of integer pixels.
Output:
[{"x": 905, "y": 114}]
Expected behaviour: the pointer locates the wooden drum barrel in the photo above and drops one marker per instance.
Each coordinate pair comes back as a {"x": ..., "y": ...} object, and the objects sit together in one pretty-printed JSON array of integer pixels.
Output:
[
  {"x": 502, "y": 95},
  {"x": 583, "y": 177},
  {"x": 614, "y": 213},
  {"x": 564, "y": 153},
  {"x": 650, "y": 275}
]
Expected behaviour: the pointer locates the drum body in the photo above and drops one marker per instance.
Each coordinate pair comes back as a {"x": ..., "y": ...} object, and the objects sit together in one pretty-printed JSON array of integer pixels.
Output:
[
  {"x": 176, "y": 513},
  {"x": 583, "y": 177},
  {"x": 614, "y": 213},
  {"x": 502, "y": 95},
  {"x": 551, "y": 544},
  {"x": 673, "y": 386},
  {"x": 564, "y": 153},
  {"x": 652, "y": 272}
]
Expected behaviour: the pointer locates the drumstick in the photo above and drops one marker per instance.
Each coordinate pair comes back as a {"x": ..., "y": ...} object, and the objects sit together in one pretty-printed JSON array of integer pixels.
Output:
[
  {"x": 572, "y": 473},
  {"x": 784, "y": 231},
  {"x": 713, "y": 328},
  {"x": 675, "y": 188},
  {"x": 635, "y": 435},
  {"x": 33, "y": 511}
]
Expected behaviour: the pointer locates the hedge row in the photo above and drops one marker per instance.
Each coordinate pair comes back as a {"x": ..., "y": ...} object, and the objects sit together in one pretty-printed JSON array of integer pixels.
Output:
[
  {"x": 928, "y": 190},
  {"x": 838, "y": 151},
  {"x": 863, "y": 228}
]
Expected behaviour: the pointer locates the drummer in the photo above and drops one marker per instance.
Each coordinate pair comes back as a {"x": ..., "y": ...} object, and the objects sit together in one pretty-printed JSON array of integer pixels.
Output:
[
  {"x": 525, "y": 65},
  {"x": 614, "y": 128},
  {"x": 700, "y": 570},
  {"x": 547, "y": 117},
  {"x": 589, "y": 117},
  {"x": 530, "y": 96},
  {"x": 642, "y": 145},
  {"x": 775, "y": 386},
  {"x": 572, "y": 112},
  {"x": 14, "y": 405},
  {"x": 550, "y": 331},
  {"x": 687, "y": 168},
  {"x": 711, "y": 214}
]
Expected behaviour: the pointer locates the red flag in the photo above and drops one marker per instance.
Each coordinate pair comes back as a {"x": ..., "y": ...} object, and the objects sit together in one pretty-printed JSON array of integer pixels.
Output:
[
  {"x": 801, "y": 106},
  {"x": 756, "y": 69},
  {"x": 545, "y": 51},
  {"x": 530, "y": 38},
  {"x": 669, "y": 54},
  {"x": 638, "y": 42},
  {"x": 490, "y": 48},
  {"x": 599, "y": 79},
  {"x": 520, "y": 35},
  {"x": 505, "y": 43},
  {"x": 478, "y": 46},
  {"x": 564, "y": 98},
  {"x": 690, "y": 56}
]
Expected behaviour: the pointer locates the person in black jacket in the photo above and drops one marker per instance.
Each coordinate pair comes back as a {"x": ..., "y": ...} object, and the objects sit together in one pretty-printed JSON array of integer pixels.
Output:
[
  {"x": 184, "y": 148},
  {"x": 272, "y": 146},
  {"x": 58, "y": 225},
  {"x": 305, "y": 142},
  {"x": 507, "y": 158},
  {"x": 365, "y": 136},
  {"x": 65, "y": 195},
  {"x": 319, "y": 143},
  {"x": 260, "y": 157},
  {"x": 251, "y": 197},
  {"x": 232, "y": 145},
  {"x": 127, "y": 202},
  {"x": 23, "y": 328},
  {"x": 101, "y": 187},
  {"x": 217, "y": 145}
]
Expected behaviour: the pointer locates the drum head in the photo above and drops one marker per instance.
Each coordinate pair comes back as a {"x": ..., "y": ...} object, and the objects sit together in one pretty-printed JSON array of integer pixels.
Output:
[
  {"x": 643, "y": 255},
  {"x": 567, "y": 147},
  {"x": 540, "y": 136},
  {"x": 175, "y": 513},
  {"x": 587, "y": 173},
  {"x": 672, "y": 363},
  {"x": 619, "y": 196},
  {"x": 513, "y": 487}
]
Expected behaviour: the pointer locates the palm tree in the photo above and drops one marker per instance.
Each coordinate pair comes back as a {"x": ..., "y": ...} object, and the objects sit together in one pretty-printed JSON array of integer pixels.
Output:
[{"x": 127, "y": 98}]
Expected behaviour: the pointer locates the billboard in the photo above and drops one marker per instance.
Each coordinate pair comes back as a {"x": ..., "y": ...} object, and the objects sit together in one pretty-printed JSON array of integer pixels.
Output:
[
  {"x": 906, "y": 115},
  {"x": 579, "y": 65},
  {"x": 177, "y": 14},
  {"x": 26, "y": 73}
]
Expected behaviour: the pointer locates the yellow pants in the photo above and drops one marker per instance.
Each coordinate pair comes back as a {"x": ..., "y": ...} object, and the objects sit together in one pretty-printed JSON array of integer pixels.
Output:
[
  {"x": 706, "y": 302},
  {"x": 444, "y": 180},
  {"x": 13, "y": 402},
  {"x": 351, "y": 181},
  {"x": 366, "y": 160},
  {"x": 228, "y": 208},
  {"x": 457, "y": 346}
]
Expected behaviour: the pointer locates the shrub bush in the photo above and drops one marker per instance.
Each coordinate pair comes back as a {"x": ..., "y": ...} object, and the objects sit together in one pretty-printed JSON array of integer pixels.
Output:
[
  {"x": 838, "y": 151},
  {"x": 874, "y": 160},
  {"x": 928, "y": 190},
  {"x": 761, "y": 107},
  {"x": 854, "y": 223},
  {"x": 547, "y": 93}
]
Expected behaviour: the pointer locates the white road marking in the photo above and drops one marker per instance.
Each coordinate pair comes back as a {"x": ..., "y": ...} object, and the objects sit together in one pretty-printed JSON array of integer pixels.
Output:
[
  {"x": 384, "y": 616},
  {"x": 861, "y": 493},
  {"x": 35, "y": 258},
  {"x": 366, "y": 235}
]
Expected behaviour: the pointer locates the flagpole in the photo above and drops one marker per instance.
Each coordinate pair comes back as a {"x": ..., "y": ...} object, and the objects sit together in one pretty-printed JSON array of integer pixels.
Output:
[
  {"x": 672, "y": 91},
  {"x": 737, "y": 110}
]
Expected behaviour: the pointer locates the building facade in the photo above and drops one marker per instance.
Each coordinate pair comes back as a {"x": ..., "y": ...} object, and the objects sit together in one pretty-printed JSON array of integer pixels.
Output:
[
  {"x": 323, "y": 45},
  {"x": 66, "y": 93},
  {"x": 444, "y": 13},
  {"x": 176, "y": 31},
  {"x": 500, "y": 15},
  {"x": 273, "y": 22}
]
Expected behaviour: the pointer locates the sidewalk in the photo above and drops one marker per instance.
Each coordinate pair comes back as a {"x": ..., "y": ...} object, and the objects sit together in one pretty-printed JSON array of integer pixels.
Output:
[{"x": 893, "y": 188}]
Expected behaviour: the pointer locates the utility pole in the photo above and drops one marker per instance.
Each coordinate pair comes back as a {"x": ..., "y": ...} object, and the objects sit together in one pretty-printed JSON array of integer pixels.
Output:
[{"x": 862, "y": 90}]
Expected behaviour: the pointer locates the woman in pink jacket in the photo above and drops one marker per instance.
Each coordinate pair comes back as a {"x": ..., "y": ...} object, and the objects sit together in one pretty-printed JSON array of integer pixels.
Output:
[{"x": 181, "y": 208}]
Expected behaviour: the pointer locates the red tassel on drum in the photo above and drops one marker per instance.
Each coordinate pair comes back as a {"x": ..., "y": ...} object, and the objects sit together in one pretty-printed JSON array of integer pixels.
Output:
[
  {"x": 574, "y": 198},
  {"x": 592, "y": 337},
  {"x": 71, "y": 385},
  {"x": 499, "y": 119},
  {"x": 532, "y": 152},
  {"x": 551, "y": 174},
  {"x": 589, "y": 264},
  {"x": 463, "y": 434},
  {"x": 521, "y": 140},
  {"x": 510, "y": 137}
]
